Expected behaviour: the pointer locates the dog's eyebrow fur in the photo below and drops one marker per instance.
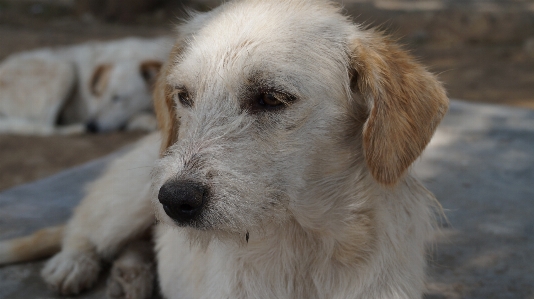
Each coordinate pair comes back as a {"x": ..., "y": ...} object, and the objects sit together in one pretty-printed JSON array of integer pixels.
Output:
[
  {"x": 269, "y": 81},
  {"x": 260, "y": 82}
]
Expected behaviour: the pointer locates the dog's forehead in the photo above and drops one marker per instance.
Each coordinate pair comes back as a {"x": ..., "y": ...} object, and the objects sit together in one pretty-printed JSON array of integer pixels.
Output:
[{"x": 292, "y": 37}]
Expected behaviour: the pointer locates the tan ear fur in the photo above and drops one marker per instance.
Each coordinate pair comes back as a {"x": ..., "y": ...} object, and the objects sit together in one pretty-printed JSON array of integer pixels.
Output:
[
  {"x": 406, "y": 104},
  {"x": 149, "y": 70},
  {"x": 100, "y": 79},
  {"x": 164, "y": 104}
]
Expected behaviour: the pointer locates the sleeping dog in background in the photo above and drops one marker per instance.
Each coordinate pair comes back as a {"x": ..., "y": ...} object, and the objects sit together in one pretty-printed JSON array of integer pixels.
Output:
[
  {"x": 97, "y": 86},
  {"x": 280, "y": 169}
]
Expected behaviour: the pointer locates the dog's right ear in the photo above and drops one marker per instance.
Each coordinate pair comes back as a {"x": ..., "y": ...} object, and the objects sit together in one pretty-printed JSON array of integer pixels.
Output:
[
  {"x": 100, "y": 79},
  {"x": 149, "y": 70},
  {"x": 405, "y": 104},
  {"x": 164, "y": 105}
]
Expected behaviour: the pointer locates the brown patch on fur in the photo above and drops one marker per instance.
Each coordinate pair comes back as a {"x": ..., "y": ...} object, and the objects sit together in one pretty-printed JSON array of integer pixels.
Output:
[
  {"x": 42, "y": 243},
  {"x": 149, "y": 70},
  {"x": 406, "y": 104},
  {"x": 164, "y": 104},
  {"x": 100, "y": 79}
]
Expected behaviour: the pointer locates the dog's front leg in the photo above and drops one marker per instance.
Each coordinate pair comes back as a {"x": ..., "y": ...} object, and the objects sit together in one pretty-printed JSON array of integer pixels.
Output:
[
  {"x": 74, "y": 268},
  {"x": 115, "y": 211},
  {"x": 132, "y": 274}
]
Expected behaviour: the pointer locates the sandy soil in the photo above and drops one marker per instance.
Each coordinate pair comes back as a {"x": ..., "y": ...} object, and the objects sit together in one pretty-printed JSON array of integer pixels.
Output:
[{"x": 480, "y": 55}]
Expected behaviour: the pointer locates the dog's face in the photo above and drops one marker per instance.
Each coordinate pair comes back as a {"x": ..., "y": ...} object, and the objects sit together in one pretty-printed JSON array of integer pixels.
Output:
[
  {"x": 120, "y": 91},
  {"x": 264, "y": 104}
]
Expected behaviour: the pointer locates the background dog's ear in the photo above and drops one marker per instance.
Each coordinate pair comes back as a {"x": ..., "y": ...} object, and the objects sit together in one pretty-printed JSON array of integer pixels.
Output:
[
  {"x": 405, "y": 105},
  {"x": 149, "y": 70},
  {"x": 100, "y": 79},
  {"x": 164, "y": 104}
]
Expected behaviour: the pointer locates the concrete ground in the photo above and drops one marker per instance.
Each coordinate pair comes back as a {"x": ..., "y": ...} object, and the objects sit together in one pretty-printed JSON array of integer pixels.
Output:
[{"x": 480, "y": 165}]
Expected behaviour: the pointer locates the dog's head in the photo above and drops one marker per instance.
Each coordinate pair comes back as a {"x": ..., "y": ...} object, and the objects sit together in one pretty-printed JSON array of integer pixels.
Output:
[
  {"x": 119, "y": 91},
  {"x": 268, "y": 108}
]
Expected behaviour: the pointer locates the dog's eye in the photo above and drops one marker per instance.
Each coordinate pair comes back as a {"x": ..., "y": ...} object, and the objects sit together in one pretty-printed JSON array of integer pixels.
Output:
[
  {"x": 269, "y": 99},
  {"x": 183, "y": 96},
  {"x": 115, "y": 99}
]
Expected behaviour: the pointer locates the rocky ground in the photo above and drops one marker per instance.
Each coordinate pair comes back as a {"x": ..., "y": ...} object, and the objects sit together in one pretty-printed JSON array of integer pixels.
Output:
[{"x": 482, "y": 50}]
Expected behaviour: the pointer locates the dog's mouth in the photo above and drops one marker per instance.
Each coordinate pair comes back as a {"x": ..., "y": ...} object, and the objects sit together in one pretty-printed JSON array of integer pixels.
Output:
[
  {"x": 192, "y": 206},
  {"x": 205, "y": 198},
  {"x": 181, "y": 215}
]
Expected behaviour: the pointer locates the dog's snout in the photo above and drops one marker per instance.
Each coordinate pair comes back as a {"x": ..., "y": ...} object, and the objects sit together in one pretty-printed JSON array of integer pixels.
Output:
[{"x": 183, "y": 200}]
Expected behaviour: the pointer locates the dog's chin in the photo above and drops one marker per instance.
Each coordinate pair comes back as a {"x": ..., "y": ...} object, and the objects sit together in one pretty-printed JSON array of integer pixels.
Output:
[
  {"x": 208, "y": 228},
  {"x": 204, "y": 238},
  {"x": 202, "y": 231}
]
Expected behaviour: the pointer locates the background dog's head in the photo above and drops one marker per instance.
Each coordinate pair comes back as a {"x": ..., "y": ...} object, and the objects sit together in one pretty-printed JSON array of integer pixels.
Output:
[
  {"x": 119, "y": 91},
  {"x": 272, "y": 108}
]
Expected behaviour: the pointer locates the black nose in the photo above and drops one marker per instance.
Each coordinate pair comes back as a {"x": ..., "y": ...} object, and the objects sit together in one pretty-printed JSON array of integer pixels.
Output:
[
  {"x": 183, "y": 200},
  {"x": 91, "y": 126}
]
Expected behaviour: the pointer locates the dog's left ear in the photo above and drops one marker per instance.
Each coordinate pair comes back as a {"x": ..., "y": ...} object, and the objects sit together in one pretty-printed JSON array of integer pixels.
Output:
[
  {"x": 149, "y": 70},
  {"x": 100, "y": 79},
  {"x": 164, "y": 105},
  {"x": 405, "y": 105}
]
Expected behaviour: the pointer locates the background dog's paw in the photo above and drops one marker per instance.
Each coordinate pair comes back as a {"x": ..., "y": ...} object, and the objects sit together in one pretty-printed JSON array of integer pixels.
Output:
[
  {"x": 71, "y": 272},
  {"x": 130, "y": 280}
]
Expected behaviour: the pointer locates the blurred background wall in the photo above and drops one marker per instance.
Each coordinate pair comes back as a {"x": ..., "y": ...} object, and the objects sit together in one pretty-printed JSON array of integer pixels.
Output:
[{"x": 482, "y": 49}]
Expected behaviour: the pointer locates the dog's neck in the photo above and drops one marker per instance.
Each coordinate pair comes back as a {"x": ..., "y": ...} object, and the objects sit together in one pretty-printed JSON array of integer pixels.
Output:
[{"x": 311, "y": 259}]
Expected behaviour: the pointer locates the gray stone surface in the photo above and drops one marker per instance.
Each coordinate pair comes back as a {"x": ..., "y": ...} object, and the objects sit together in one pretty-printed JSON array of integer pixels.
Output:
[
  {"x": 480, "y": 165},
  {"x": 28, "y": 207}
]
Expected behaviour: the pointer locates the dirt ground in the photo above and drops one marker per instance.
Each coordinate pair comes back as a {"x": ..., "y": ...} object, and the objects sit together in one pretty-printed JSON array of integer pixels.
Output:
[
  {"x": 27, "y": 158},
  {"x": 482, "y": 54}
]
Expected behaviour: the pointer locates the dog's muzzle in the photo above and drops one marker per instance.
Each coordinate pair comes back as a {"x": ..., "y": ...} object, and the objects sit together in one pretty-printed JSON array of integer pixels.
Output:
[{"x": 183, "y": 200}]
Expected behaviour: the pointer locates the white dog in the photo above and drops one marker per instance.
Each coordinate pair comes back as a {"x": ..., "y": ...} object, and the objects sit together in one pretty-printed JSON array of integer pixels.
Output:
[
  {"x": 102, "y": 85},
  {"x": 287, "y": 133}
]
